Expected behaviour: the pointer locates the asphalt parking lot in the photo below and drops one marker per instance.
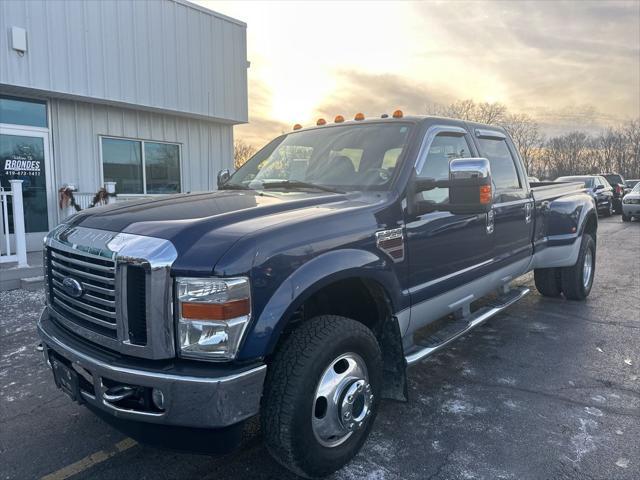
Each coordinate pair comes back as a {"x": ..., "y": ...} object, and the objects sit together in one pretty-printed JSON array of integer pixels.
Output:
[{"x": 550, "y": 389}]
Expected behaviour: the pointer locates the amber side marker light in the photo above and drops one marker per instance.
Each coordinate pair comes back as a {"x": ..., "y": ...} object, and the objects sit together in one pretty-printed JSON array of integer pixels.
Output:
[
  {"x": 398, "y": 114},
  {"x": 321, "y": 121},
  {"x": 485, "y": 194},
  {"x": 215, "y": 311},
  {"x": 359, "y": 116},
  {"x": 297, "y": 126},
  {"x": 338, "y": 119}
]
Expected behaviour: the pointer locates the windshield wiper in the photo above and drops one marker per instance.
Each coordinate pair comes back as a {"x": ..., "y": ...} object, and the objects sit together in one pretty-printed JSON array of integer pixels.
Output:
[
  {"x": 299, "y": 184},
  {"x": 233, "y": 186}
]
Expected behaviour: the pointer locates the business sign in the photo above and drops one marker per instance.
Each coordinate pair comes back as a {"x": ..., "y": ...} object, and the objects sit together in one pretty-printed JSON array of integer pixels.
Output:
[
  {"x": 21, "y": 163},
  {"x": 22, "y": 158}
]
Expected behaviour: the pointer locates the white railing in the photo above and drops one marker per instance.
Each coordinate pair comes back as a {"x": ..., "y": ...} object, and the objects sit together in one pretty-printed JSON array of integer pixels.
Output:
[{"x": 19, "y": 235}]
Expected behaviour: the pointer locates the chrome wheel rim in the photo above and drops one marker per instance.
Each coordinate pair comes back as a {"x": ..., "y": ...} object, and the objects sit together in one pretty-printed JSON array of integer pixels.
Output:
[
  {"x": 587, "y": 269},
  {"x": 343, "y": 400}
]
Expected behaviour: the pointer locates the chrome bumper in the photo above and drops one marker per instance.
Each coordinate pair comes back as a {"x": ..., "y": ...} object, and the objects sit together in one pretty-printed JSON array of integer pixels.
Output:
[{"x": 193, "y": 396}]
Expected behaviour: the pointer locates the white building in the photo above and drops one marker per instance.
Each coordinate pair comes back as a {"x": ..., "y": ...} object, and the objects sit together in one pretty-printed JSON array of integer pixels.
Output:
[{"x": 141, "y": 92}]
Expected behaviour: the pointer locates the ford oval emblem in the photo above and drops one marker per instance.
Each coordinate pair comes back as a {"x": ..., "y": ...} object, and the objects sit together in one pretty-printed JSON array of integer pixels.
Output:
[{"x": 72, "y": 287}]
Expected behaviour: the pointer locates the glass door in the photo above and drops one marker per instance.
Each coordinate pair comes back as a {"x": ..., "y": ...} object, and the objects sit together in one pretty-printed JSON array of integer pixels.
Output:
[{"x": 24, "y": 155}]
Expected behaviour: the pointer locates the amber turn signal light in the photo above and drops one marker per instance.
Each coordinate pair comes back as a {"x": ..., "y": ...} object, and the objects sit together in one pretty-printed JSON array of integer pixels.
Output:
[
  {"x": 338, "y": 119},
  {"x": 297, "y": 126},
  {"x": 215, "y": 311},
  {"x": 485, "y": 194},
  {"x": 398, "y": 114},
  {"x": 321, "y": 121},
  {"x": 359, "y": 116}
]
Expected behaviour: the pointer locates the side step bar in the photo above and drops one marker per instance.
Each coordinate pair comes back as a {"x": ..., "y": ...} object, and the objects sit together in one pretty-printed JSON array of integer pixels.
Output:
[{"x": 472, "y": 321}]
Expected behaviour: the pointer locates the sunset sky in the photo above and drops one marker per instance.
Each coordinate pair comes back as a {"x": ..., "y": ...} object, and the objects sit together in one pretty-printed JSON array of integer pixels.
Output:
[{"x": 571, "y": 64}]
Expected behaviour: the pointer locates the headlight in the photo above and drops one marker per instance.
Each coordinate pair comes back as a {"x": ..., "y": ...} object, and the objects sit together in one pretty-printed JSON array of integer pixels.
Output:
[{"x": 212, "y": 316}]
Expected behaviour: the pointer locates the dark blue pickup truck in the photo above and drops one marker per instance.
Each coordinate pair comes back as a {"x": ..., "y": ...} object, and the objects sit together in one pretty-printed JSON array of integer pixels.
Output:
[{"x": 301, "y": 290}]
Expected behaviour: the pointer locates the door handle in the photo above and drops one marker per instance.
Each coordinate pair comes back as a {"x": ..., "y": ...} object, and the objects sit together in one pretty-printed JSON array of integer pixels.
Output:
[
  {"x": 490, "y": 221},
  {"x": 527, "y": 212}
]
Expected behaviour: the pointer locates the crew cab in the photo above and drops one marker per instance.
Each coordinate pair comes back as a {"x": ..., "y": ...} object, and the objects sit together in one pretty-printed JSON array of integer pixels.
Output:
[{"x": 336, "y": 257}]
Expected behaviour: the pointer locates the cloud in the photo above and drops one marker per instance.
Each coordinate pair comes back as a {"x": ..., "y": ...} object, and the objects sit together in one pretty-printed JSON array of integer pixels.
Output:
[
  {"x": 569, "y": 64},
  {"x": 374, "y": 94}
]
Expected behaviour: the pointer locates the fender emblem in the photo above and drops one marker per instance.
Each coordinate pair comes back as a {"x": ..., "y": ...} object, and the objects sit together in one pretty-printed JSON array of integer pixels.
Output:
[{"x": 391, "y": 242}]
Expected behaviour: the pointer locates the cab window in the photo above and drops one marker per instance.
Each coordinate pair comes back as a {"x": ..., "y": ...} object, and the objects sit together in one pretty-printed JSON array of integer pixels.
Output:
[
  {"x": 444, "y": 148},
  {"x": 503, "y": 167}
]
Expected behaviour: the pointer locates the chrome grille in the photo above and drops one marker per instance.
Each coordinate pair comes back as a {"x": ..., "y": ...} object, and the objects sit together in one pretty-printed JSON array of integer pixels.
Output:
[
  {"x": 95, "y": 308},
  {"x": 123, "y": 281}
]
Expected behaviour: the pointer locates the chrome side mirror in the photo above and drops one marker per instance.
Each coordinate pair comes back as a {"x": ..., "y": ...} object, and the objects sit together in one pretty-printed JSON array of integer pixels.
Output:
[
  {"x": 469, "y": 184},
  {"x": 470, "y": 188}
]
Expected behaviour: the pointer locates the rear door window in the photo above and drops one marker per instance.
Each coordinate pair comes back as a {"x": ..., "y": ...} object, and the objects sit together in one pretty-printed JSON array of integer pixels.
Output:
[{"x": 503, "y": 167}]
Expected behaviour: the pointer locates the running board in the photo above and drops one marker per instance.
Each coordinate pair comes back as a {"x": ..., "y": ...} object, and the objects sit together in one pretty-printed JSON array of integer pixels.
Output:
[{"x": 437, "y": 341}]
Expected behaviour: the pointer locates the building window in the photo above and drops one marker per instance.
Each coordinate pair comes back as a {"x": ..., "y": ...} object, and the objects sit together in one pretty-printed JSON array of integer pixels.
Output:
[
  {"x": 21, "y": 111},
  {"x": 141, "y": 167}
]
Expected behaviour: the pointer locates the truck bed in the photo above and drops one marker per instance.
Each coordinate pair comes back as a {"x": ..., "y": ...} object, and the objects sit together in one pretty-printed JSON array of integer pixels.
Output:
[{"x": 550, "y": 190}]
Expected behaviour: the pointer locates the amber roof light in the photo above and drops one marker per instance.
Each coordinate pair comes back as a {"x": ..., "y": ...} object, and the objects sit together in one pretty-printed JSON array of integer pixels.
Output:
[
  {"x": 398, "y": 114},
  {"x": 338, "y": 119},
  {"x": 297, "y": 126},
  {"x": 359, "y": 116},
  {"x": 321, "y": 121}
]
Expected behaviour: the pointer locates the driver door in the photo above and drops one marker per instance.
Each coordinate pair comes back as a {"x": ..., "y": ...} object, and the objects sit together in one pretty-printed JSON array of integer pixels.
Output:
[{"x": 445, "y": 250}]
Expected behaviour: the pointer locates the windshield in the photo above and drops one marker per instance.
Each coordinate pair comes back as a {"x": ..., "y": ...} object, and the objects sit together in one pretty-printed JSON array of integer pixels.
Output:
[
  {"x": 636, "y": 189},
  {"x": 588, "y": 181},
  {"x": 345, "y": 157}
]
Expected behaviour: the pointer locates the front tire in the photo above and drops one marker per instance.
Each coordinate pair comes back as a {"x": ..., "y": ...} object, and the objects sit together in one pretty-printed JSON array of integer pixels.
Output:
[
  {"x": 626, "y": 218},
  {"x": 321, "y": 395},
  {"x": 578, "y": 279}
]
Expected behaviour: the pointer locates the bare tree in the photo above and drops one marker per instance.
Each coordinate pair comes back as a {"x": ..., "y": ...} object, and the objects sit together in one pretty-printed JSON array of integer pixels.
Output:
[
  {"x": 469, "y": 110},
  {"x": 242, "y": 152},
  {"x": 493, "y": 112},
  {"x": 631, "y": 133},
  {"x": 614, "y": 150},
  {"x": 526, "y": 135},
  {"x": 569, "y": 154}
]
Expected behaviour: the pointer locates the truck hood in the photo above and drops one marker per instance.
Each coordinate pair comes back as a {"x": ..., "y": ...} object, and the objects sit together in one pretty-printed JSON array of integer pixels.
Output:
[{"x": 206, "y": 225}]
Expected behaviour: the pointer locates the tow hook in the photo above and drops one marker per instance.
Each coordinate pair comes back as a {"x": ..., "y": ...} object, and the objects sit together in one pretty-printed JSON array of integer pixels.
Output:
[{"x": 118, "y": 393}]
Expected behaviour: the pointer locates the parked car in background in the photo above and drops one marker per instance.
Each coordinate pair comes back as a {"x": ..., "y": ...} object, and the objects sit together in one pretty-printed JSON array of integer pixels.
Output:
[
  {"x": 631, "y": 204},
  {"x": 598, "y": 187},
  {"x": 619, "y": 189},
  {"x": 632, "y": 183}
]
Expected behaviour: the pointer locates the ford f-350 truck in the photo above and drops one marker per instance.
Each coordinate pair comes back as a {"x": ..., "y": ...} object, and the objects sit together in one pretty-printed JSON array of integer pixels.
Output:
[{"x": 301, "y": 290}]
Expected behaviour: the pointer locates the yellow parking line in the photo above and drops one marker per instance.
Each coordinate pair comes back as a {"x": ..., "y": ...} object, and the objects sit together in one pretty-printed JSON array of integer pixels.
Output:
[{"x": 91, "y": 460}]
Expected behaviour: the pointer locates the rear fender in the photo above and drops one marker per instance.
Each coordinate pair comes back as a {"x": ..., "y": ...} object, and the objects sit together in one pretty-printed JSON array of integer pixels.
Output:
[{"x": 564, "y": 222}]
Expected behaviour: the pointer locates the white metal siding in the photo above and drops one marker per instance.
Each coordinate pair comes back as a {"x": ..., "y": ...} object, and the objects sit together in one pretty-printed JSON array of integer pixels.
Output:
[
  {"x": 165, "y": 55},
  {"x": 206, "y": 146}
]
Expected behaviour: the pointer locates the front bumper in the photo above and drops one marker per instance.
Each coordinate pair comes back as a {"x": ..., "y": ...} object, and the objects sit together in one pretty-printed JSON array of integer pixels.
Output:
[{"x": 203, "y": 395}]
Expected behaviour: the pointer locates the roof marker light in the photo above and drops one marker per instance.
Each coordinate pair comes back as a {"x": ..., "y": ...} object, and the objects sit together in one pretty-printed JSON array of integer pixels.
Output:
[
  {"x": 338, "y": 119},
  {"x": 297, "y": 126},
  {"x": 321, "y": 121},
  {"x": 398, "y": 114},
  {"x": 359, "y": 116}
]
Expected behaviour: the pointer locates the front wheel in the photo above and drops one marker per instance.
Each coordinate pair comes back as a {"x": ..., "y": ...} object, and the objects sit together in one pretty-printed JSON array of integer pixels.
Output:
[
  {"x": 321, "y": 395},
  {"x": 626, "y": 218},
  {"x": 578, "y": 279}
]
